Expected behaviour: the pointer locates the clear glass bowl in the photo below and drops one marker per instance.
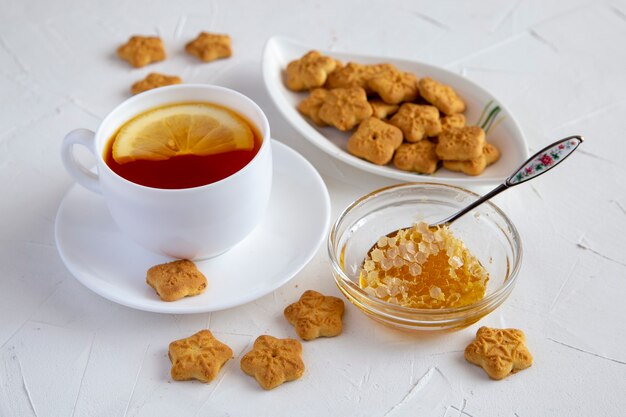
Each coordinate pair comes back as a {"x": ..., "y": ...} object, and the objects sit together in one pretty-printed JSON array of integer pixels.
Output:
[{"x": 486, "y": 231}]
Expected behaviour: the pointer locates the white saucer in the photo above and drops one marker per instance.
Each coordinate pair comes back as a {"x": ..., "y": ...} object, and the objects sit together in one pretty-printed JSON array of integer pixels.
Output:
[{"x": 108, "y": 263}]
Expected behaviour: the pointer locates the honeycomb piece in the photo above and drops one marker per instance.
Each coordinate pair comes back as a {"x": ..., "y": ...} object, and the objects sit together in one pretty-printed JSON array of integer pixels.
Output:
[{"x": 423, "y": 268}]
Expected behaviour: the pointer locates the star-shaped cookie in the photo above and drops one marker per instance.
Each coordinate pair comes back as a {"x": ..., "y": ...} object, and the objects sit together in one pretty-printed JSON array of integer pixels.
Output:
[
  {"x": 310, "y": 71},
  {"x": 345, "y": 108},
  {"x": 140, "y": 51},
  {"x": 394, "y": 86},
  {"x": 417, "y": 121},
  {"x": 499, "y": 352},
  {"x": 311, "y": 105},
  {"x": 315, "y": 315},
  {"x": 208, "y": 47},
  {"x": 154, "y": 80},
  {"x": 200, "y": 357},
  {"x": 273, "y": 361},
  {"x": 175, "y": 280}
]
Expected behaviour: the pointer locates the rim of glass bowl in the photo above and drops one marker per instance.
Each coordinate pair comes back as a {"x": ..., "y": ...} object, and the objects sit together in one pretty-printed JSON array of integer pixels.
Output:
[{"x": 484, "y": 302}]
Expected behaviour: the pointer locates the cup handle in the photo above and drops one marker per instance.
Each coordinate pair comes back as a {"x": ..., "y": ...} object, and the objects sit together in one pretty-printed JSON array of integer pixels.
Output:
[{"x": 80, "y": 173}]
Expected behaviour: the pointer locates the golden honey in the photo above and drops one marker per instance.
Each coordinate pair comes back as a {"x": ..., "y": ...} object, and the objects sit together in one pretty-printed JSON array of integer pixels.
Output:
[{"x": 423, "y": 268}]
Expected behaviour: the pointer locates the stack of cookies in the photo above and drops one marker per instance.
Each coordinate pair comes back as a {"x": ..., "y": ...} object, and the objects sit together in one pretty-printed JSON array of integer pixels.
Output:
[{"x": 393, "y": 115}]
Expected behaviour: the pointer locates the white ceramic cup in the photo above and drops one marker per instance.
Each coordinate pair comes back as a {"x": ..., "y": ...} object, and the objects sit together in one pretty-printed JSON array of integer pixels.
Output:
[{"x": 189, "y": 223}]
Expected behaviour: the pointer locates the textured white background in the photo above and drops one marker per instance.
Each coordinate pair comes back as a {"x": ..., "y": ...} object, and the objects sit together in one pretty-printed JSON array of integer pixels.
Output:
[{"x": 559, "y": 65}]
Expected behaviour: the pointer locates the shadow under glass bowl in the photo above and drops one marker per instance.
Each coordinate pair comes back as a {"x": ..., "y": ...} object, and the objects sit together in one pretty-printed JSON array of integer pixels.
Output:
[{"x": 486, "y": 231}]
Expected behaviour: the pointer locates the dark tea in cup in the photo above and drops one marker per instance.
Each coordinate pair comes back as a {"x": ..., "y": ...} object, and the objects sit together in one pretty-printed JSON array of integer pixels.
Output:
[{"x": 182, "y": 145}]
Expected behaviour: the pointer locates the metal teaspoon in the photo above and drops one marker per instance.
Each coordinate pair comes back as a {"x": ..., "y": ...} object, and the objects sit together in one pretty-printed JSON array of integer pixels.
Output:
[{"x": 540, "y": 163}]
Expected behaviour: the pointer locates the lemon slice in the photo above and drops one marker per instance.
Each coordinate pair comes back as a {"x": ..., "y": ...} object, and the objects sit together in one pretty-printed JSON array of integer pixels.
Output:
[{"x": 181, "y": 129}]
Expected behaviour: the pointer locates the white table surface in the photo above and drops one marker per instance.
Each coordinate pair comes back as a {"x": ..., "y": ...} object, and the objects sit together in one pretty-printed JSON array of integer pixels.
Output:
[{"x": 559, "y": 65}]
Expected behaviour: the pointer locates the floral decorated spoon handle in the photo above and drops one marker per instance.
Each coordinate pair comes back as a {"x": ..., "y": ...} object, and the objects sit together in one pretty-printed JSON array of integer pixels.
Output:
[{"x": 539, "y": 163}]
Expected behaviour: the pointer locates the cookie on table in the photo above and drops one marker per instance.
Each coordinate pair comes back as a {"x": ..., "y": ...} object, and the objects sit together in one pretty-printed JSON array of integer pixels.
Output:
[
  {"x": 394, "y": 86},
  {"x": 417, "y": 157},
  {"x": 441, "y": 96},
  {"x": 140, "y": 51},
  {"x": 311, "y": 105},
  {"x": 375, "y": 141},
  {"x": 499, "y": 352},
  {"x": 461, "y": 144},
  {"x": 417, "y": 121},
  {"x": 200, "y": 357},
  {"x": 345, "y": 108},
  {"x": 382, "y": 110},
  {"x": 310, "y": 71},
  {"x": 208, "y": 47},
  {"x": 355, "y": 75},
  {"x": 273, "y": 361},
  {"x": 175, "y": 280},
  {"x": 316, "y": 315},
  {"x": 154, "y": 80},
  {"x": 452, "y": 121}
]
